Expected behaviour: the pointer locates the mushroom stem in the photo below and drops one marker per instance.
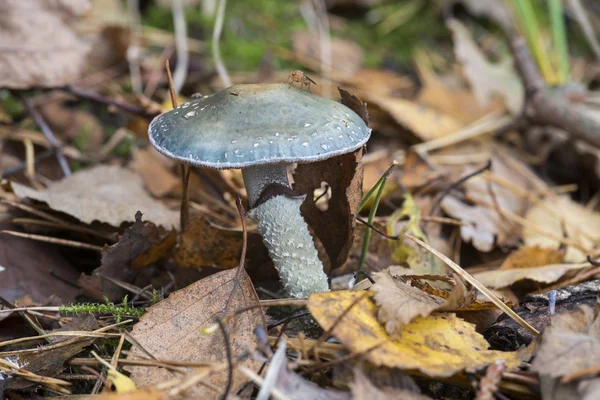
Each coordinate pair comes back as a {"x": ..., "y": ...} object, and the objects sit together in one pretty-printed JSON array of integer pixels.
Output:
[{"x": 285, "y": 233}]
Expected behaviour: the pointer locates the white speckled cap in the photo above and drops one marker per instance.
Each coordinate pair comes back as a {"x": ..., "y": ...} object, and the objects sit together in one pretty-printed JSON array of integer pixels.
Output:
[{"x": 257, "y": 124}]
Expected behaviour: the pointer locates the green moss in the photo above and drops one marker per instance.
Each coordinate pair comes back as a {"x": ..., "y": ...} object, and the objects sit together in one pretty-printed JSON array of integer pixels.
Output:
[
  {"x": 252, "y": 27},
  {"x": 13, "y": 107}
]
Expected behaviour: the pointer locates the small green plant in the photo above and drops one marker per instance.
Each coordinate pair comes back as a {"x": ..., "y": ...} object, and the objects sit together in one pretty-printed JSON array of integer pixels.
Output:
[{"x": 107, "y": 308}]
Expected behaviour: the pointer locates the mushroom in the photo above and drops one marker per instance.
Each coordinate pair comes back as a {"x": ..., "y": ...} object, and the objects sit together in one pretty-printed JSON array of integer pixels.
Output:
[{"x": 262, "y": 128}]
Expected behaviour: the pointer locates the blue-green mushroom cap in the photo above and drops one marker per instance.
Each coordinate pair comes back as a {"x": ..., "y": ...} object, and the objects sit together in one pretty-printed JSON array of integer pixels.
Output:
[{"x": 256, "y": 124}]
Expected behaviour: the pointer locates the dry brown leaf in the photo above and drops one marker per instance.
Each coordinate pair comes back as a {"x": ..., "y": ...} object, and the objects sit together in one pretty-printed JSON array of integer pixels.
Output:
[
  {"x": 348, "y": 55},
  {"x": 485, "y": 226},
  {"x": 400, "y": 303},
  {"x": 158, "y": 178},
  {"x": 38, "y": 47},
  {"x": 344, "y": 174},
  {"x": 448, "y": 94},
  {"x": 25, "y": 270},
  {"x": 141, "y": 244},
  {"x": 104, "y": 193},
  {"x": 426, "y": 123},
  {"x": 486, "y": 78},
  {"x": 581, "y": 226},
  {"x": 438, "y": 345},
  {"x": 203, "y": 244},
  {"x": 363, "y": 389},
  {"x": 570, "y": 344},
  {"x": 382, "y": 81},
  {"x": 172, "y": 330},
  {"x": 48, "y": 360},
  {"x": 532, "y": 256},
  {"x": 501, "y": 278}
]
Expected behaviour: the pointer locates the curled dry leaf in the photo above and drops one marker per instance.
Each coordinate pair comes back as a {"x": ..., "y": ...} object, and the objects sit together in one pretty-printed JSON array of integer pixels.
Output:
[
  {"x": 485, "y": 224},
  {"x": 570, "y": 344},
  {"x": 438, "y": 346},
  {"x": 141, "y": 244},
  {"x": 486, "y": 78},
  {"x": 344, "y": 175},
  {"x": 28, "y": 58},
  {"x": 424, "y": 122},
  {"x": 501, "y": 278},
  {"x": 580, "y": 224},
  {"x": 400, "y": 303},
  {"x": 172, "y": 330},
  {"x": 104, "y": 193}
]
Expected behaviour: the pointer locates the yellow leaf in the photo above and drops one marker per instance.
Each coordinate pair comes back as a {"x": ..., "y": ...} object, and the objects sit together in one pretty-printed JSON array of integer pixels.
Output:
[
  {"x": 532, "y": 256},
  {"x": 419, "y": 260},
  {"x": 123, "y": 384},
  {"x": 439, "y": 345}
]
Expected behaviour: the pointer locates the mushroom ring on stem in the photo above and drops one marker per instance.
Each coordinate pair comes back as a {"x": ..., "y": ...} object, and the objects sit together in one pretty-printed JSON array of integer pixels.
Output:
[{"x": 262, "y": 128}]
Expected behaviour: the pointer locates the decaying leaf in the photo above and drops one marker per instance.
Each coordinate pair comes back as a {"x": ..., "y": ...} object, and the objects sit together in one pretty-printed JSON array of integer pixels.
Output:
[
  {"x": 203, "y": 244},
  {"x": 159, "y": 180},
  {"x": 25, "y": 270},
  {"x": 449, "y": 95},
  {"x": 439, "y": 345},
  {"x": 172, "y": 329},
  {"x": 28, "y": 58},
  {"x": 104, "y": 193},
  {"x": 405, "y": 251},
  {"x": 49, "y": 359},
  {"x": 501, "y": 278},
  {"x": 140, "y": 245},
  {"x": 426, "y": 123},
  {"x": 487, "y": 78},
  {"x": 570, "y": 344},
  {"x": 486, "y": 226},
  {"x": 532, "y": 256},
  {"x": 343, "y": 174},
  {"x": 400, "y": 303},
  {"x": 580, "y": 224},
  {"x": 364, "y": 389}
]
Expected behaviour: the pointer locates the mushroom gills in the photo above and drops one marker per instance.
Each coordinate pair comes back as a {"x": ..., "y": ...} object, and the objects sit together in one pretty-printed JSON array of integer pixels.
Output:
[{"x": 290, "y": 246}]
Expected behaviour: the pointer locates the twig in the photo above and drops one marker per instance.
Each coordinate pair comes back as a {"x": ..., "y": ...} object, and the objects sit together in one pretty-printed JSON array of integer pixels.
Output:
[
  {"x": 453, "y": 186},
  {"x": 373, "y": 227},
  {"x": 551, "y": 107},
  {"x": 216, "y": 49},
  {"x": 229, "y": 359},
  {"x": 180, "y": 45},
  {"x": 240, "y": 267},
  {"x": 185, "y": 169},
  {"x": 24, "y": 314},
  {"x": 47, "y": 239},
  {"x": 92, "y": 96},
  {"x": 39, "y": 120},
  {"x": 58, "y": 221},
  {"x": 348, "y": 357},
  {"x": 469, "y": 278}
]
